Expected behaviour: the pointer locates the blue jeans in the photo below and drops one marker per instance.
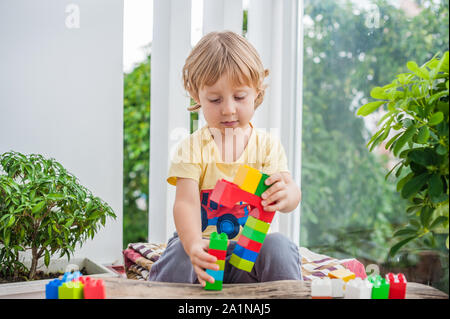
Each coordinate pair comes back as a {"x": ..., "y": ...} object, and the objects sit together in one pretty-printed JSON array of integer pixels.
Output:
[{"x": 278, "y": 259}]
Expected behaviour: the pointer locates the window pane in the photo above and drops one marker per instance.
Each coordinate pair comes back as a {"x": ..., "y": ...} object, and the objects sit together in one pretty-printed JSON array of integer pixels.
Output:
[{"x": 348, "y": 208}]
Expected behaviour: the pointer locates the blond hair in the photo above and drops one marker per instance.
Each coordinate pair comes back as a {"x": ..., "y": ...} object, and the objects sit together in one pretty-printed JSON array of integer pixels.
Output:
[{"x": 219, "y": 53}]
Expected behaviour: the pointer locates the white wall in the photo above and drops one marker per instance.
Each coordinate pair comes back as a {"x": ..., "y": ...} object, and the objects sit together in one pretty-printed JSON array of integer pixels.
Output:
[{"x": 61, "y": 95}]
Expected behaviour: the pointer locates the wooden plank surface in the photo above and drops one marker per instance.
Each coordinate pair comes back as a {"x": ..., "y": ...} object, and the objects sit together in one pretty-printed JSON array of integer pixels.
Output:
[{"x": 283, "y": 289}]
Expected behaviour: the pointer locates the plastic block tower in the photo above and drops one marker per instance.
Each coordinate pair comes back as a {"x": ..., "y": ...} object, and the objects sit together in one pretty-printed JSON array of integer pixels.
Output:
[
  {"x": 321, "y": 288},
  {"x": 397, "y": 285},
  {"x": 380, "y": 289},
  {"x": 217, "y": 247},
  {"x": 358, "y": 289},
  {"x": 73, "y": 286},
  {"x": 247, "y": 186}
]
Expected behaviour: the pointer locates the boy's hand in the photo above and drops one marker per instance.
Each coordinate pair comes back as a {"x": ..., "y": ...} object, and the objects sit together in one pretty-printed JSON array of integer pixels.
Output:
[
  {"x": 284, "y": 195},
  {"x": 201, "y": 260}
]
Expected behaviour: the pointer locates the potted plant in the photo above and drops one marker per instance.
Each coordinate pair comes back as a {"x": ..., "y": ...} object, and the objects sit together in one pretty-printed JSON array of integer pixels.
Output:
[
  {"x": 43, "y": 209},
  {"x": 415, "y": 129}
]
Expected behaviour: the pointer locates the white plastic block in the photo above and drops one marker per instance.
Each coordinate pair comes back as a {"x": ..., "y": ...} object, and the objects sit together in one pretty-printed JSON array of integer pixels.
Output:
[
  {"x": 321, "y": 288},
  {"x": 358, "y": 289},
  {"x": 337, "y": 287}
]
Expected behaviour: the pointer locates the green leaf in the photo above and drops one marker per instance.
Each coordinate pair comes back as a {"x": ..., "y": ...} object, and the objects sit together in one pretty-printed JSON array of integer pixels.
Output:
[
  {"x": 38, "y": 207},
  {"x": 378, "y": 93},
  {"x": 436, "y": 186},
  {"x": 414, "y": 185},
  {"x": 393, "y": 251},
  {"x": 47, "y": 258},
  {"x": 369, "y": 108},
  {"x": 405, "y": 231},
  {"x": 424, "y": 134},
  {"x": 438, "y": 221},
  {"x": 436, "y": 118},
  {"x": 425, "y": 215},
  {"x": 12, "y": 219},
  {"x": 55, "y": 196},
  {"x": 405, "y": 138}
]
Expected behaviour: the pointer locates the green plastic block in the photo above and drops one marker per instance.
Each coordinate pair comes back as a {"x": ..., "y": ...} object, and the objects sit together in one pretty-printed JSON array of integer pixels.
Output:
[
  {"x": 257, "y": 224},
  {"x": 217, "y": 285},
  {"x": 253, "y": 234},
  {"x": 380, "y": 289},
  {"x": 218, "y": 241},
  {"x": 71, "y": 290},
  {"x": 241, "y": 263},
  {"x": 262, "y": 187}
]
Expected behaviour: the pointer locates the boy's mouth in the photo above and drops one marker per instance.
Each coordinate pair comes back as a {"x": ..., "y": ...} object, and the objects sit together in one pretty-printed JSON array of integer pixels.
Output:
[{"x": 229, "y": 123}]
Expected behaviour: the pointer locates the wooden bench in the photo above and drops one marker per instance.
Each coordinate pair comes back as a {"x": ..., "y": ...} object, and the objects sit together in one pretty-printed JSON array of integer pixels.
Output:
[{"x": 284, "y": 289}]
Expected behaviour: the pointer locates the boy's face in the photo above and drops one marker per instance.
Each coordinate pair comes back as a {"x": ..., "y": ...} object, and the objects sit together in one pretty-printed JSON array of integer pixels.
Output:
[{"x": 225, "y": 106}]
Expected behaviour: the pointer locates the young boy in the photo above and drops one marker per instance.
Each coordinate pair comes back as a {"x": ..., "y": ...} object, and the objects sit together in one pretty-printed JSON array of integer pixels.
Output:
[{"x": 224, "y": 75}]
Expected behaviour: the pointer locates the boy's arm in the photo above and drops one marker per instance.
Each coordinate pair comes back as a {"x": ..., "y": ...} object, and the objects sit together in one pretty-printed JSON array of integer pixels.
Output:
[
  {"x": 283, "y": 195},
  {"x": 186, "y": 212}
]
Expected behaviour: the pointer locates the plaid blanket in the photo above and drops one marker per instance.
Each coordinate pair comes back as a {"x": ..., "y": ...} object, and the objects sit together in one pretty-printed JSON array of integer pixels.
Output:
[{"x": 139, "y": 258}]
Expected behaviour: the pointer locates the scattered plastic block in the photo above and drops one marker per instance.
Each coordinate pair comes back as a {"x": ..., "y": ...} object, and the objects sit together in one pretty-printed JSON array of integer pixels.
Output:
[
  {"x": 380, "y": 289},
  {"x": 69, "y": 276},
  {"x": 93, "y": 288},
  {"x": 321, "y": 288},
  {"x": 343, "y": 274},
  {"x": 337, "y": 288},
  {"x": 71, "y": 290},
  {"x": 51, "y": 289},
  {"x": 358, "y": 289},
  {"x": 397, "y": 285}
]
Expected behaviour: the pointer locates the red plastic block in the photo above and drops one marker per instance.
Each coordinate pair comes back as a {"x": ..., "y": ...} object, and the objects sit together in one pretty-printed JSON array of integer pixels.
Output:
[
  {"x": 94, "y": 289},
  {"x": 228, "y": 194},
  {"x": 397, "y": 285},
  {"x": 249, "y": 244},
  {"x": 261, "y": 214},
  {"x": 220, "y": 254}
]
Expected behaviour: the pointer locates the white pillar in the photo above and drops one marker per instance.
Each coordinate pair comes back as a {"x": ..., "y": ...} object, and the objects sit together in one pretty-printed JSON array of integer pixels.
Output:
[
  {"x": 169, "y": 121},
  {"x": 222, "y": 15}
]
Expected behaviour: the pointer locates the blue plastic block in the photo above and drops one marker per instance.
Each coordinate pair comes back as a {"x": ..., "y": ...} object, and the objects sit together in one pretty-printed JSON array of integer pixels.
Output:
[
  {"x": 216, "y": 274},
  {"x": 69, "y": 276},
  {"x": 51, "y": 289},
  {"x": 245, "y": 253}
]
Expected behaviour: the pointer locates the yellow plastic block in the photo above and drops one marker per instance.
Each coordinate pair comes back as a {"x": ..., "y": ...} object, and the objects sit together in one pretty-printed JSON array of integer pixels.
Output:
[
  {"x": 343, "y": 274},
  {"x": 252, "y": 181},
  {"x": 239, "y": 178}
]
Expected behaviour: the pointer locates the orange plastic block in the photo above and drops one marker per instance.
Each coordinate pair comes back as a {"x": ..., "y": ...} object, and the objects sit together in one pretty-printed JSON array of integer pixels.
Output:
[{"x": 343, "y": 274}]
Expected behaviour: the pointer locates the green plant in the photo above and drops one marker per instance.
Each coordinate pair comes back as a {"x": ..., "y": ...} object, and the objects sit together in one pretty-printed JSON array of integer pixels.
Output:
[
  {"x": 418, "y": 118},
  {"x": 44, "y": 209}
]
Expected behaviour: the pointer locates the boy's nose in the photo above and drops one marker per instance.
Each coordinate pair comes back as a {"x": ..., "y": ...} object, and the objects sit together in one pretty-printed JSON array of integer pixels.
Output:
[{"x": 229, "y": 108}]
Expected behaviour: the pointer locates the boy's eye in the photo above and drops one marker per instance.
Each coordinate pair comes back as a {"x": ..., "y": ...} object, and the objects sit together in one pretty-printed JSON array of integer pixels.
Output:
[
  {"x": 214, "y": 101},
  {"x": 240, "y": 97}
]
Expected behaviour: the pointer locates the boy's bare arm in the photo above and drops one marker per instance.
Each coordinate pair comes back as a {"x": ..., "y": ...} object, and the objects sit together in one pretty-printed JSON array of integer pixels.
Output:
[{"x": 186, "y": 212}]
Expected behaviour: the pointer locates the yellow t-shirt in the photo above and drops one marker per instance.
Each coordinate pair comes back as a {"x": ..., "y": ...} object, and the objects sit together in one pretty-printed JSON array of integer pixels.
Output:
[{"x": 198, "y": 157}]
